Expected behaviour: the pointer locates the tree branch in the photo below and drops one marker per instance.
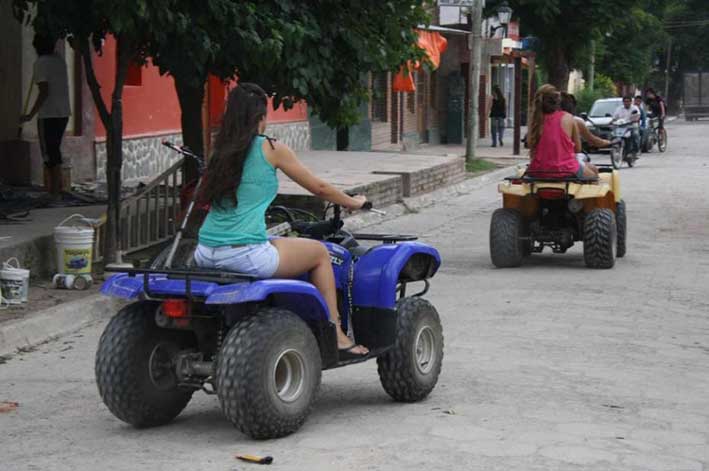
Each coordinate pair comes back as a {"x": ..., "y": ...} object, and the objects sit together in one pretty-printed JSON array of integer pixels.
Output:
[{"x": 94, "y": 86}]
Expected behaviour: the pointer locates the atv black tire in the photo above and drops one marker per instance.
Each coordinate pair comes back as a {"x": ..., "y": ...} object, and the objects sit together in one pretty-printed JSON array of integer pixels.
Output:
[
  {"x": 127, "y": 350},
  {"x": 268, "y": 373},
  {"x": 600, "y": 239},
  {"x": 183, "y": 258},
  {"x": 409, "y": 371},
  {"x": 622, "y": 227},
  {"x": 507, "y": 248}
]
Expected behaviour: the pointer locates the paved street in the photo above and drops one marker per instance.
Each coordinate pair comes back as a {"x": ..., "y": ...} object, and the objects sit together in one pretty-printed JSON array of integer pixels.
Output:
[{"x": 550, "y": 366}]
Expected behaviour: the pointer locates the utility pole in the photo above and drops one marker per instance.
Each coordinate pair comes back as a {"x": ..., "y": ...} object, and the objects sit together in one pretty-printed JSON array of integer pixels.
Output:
[
  {"x": 667, "y": 68},
  {"x": 474, "y": 45},
  {"x": 592, "y": 66}
]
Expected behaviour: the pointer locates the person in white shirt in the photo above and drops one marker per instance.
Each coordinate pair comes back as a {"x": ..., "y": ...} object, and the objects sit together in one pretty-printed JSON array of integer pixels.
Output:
[
  {"x": 51, "y": 108},
  {"x": 629, "y": 112}
]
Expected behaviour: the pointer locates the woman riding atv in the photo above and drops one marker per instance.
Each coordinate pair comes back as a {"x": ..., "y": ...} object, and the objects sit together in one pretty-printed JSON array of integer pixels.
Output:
[
  {"x": 554, "y": 140},
  {"x": 240, "y": 184}
]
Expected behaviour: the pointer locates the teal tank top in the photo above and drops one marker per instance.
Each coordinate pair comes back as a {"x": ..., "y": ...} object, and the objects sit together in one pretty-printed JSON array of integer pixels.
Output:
[{"x": 244, "y": 223}]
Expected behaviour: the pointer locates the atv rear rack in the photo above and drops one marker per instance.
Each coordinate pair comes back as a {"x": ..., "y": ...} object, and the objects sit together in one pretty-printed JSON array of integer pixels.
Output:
[{"x": 212, "y": 276}]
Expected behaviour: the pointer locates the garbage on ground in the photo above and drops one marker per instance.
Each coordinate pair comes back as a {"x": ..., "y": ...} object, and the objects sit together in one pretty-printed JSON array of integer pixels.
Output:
[
  {"x": 8, "y": 406},
  {"x": 255, "y": 459},
  {"x": 14, "y": 282},
  {"x": 78, "y": 282}
]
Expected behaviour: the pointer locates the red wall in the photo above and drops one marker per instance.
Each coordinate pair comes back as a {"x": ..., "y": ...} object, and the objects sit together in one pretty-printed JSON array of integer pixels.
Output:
[
  {"x": 218, "y": 91},
  {"x": 152, "y": 107}
]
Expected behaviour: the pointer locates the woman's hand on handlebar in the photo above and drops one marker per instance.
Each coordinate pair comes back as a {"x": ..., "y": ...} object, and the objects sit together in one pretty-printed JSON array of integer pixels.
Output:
[{"x": 356, "y": 202}]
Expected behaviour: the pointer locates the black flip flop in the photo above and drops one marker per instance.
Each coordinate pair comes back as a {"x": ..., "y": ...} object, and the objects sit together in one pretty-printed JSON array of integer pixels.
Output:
[{"x": 347, "y": 353}]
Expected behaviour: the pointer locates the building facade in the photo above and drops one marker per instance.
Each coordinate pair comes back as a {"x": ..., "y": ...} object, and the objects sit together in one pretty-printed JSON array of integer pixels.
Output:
[{"x": 151, "y": 113}]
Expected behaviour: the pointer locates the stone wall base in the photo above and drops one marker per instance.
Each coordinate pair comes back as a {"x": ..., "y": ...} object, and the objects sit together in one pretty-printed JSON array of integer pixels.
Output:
[{"x": 144, "y": 158}]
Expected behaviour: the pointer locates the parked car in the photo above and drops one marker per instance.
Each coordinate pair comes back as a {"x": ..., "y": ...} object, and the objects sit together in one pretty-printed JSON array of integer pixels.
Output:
[{"x": 600, "y": 116}]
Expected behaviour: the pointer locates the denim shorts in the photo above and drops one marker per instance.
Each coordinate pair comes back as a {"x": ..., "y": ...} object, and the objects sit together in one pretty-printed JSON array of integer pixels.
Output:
[
  {"x": 260, "y": 260},
  {"x": 582, "y": 164}
]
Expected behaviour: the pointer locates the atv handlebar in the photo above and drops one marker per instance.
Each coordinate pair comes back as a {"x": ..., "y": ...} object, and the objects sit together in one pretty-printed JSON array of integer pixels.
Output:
[{"x": 321, "y": 230}]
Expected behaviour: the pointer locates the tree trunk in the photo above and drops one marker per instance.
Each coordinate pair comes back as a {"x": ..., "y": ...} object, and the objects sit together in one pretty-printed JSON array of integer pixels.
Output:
[
  {"x": 114, "y": 154},
  {"x": 343, "y": 138},
  {"x": 191, "y": 99},
  {"x": 557, "y": 67}
]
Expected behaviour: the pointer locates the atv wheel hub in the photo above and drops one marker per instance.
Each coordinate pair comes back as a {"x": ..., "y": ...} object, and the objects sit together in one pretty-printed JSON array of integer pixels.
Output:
[
  {"x": 425, "y": 350},
  {"x": 161, "y": 368},
  {"x": 289, "y": 375}
]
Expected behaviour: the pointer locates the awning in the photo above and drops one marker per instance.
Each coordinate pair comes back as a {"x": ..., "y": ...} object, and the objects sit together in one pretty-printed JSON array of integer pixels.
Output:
[{"x": 434, "y": 44}]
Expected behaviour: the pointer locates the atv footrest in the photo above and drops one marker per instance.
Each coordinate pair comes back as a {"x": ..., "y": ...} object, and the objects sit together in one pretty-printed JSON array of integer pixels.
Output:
[{"x": 371, "y": 355}]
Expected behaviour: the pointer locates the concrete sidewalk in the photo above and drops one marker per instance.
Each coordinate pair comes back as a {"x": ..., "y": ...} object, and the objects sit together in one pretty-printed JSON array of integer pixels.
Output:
[{"x": 385, "y": 177}]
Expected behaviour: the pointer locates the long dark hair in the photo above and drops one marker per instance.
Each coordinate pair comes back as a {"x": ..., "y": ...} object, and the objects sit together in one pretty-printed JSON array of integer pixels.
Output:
[
  {"x": 546, "y": 101},
  {"x": 245, "y": 108}
]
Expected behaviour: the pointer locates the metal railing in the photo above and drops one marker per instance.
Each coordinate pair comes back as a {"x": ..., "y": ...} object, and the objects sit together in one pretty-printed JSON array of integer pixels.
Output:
[{"x": 148, "y": 217}]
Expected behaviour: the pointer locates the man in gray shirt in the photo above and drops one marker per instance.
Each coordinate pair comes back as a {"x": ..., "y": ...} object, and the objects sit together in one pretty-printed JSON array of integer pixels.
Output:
[{"x": 51, "y": 107}]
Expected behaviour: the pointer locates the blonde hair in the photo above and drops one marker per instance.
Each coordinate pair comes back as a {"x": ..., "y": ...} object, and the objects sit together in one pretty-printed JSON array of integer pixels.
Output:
[{"x": 546, "y": 101}]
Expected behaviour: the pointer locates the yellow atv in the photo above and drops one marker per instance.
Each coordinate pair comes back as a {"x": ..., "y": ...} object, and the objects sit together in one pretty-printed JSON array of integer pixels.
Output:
[{"x": 555, "y": 212}]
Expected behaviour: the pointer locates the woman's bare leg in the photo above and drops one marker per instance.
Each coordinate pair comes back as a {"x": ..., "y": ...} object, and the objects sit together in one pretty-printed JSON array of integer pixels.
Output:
[{"x": 298, "y": 256}]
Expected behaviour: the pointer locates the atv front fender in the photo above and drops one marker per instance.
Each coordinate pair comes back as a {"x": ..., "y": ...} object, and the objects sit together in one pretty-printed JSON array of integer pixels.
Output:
[
  {"x": 378, "y": 272},
  {"x": 297, "y": 296}
]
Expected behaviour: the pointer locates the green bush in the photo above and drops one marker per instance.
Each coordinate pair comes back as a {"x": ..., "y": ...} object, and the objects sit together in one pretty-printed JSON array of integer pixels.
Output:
[{"x": 603, "y": 88}]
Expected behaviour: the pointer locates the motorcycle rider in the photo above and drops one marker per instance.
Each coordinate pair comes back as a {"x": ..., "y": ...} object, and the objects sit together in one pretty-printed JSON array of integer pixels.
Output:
[
  {"x": 656, "y": 106},
  {"x": 629, "y": 112}
]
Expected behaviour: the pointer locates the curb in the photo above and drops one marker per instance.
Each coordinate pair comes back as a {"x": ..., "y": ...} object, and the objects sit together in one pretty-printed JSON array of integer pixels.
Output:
[
  {"x": 51, "y": 323},
  {"x": 416, "y": 203},
  {"x": 48, "y": 324}
]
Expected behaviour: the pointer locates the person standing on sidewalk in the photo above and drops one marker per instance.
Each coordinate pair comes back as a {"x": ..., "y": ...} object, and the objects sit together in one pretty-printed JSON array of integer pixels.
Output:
[
  {"x": 498, "y": 113},
  {"x": 51, "y": 107}
]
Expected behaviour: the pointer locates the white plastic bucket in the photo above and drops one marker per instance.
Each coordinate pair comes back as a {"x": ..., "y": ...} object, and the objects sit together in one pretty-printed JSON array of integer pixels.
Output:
[
  {"x": 74, "y": 245},
  {"x": 14, "y": 282}
]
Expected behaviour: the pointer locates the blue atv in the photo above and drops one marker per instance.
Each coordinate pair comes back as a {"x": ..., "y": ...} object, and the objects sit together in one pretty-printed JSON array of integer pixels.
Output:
[{"x": 261, "y": 345}]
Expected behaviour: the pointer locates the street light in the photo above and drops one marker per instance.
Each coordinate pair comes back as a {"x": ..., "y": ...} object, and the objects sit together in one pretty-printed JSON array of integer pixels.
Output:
[{"x": 504, "y": 14}]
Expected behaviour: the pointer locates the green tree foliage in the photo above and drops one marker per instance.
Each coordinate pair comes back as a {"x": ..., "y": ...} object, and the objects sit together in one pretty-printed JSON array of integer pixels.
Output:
[
  {"x": 564, "y": 29},
  {"x": 309, "y": 50},
  {"x": 627, "y": 51}
]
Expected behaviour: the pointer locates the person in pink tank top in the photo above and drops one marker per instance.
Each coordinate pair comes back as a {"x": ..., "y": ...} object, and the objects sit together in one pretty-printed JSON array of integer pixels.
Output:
[{"x": 554, "y": 140}]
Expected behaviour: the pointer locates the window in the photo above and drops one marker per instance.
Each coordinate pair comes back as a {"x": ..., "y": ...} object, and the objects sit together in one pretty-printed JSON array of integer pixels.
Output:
[{"x": 379, "y": 96}]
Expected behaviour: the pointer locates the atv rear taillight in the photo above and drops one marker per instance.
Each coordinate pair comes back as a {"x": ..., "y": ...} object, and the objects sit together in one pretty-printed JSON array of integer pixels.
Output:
[
  {"x": 551, "y": 193},
  {"x": 175, "y": 308}
]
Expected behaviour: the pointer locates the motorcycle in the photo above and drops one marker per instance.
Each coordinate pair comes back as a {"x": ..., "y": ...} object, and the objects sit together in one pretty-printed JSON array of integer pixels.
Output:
[{"x": 623, "y": 145}]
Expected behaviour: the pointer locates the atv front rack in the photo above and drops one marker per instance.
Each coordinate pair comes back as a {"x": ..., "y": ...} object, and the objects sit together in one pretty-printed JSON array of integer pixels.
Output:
[{"x": 211, "y": 276}]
